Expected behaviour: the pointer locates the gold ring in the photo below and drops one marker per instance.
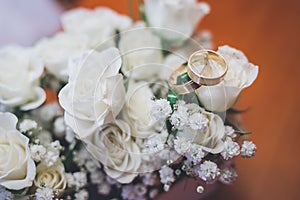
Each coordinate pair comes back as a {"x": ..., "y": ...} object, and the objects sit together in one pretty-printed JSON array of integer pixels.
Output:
[
  {"x": 184, "y": 88},
  {"x": 206, "y": 67}
]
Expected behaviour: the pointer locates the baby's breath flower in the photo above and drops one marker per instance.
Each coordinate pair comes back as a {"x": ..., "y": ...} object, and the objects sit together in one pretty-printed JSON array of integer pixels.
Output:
[
  {"x": 198, "y": 121},
  {"x": 47, "y": 112},
  {"x": 228, "y": 175},
  {"x": 149, "y": 179},
  {"x": 229, "y": 132},
  {"x": 181, "y": 145},
  {"x": 59, "y": 127},
  {"x": 153, "y": 193},
  {"x": 231, "y": 149},
  {"x": 166, "y": 175},
  {"x": 27, "y": 125},
  {"x": 44, "y": 194},
  {"x": 161, "y": 109},
  {"x": 91, "y": 165},
  {"x": 208, "y": 171},
  {"x": 55, "y": 146},
  {"x": 37, "y": 152},
  {"x": 195, "y": 154},
  {"x": 70, "y": 135},
  {"x": 248, "y": 149},
  {"x": 50, "y": 158},
  {"x": 52, "y": 154},
  {"x": 82, "y": 195},
  {"x": 179, "y": 118},
  {"x": 104, "y": 188},
  {"x": 77, "y": 179},
  {"x": 111, "y": 180},
  {"x": 154, "y": 144},
  {"x": 97, "y": 177},
  {"x": 140, "y": 189},
  {"x": 128, "y": 192}
]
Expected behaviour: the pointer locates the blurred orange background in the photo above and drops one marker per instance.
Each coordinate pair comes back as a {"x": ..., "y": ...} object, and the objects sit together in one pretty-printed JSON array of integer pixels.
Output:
[{"x": 268, "y": 32}]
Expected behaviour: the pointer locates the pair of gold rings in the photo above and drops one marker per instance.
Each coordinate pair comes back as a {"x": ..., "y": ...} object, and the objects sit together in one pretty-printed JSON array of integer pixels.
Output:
[{"x": 204, "y": 67}]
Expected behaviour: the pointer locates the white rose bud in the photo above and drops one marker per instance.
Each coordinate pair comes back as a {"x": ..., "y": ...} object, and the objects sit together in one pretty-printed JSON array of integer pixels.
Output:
[{"x": 53, "y": 177}]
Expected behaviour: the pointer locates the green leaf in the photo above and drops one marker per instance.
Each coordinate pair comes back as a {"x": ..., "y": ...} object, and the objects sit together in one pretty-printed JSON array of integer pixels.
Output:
[
  {"x": 143, "y": 13},
  {"x": 126, "y": 83},
  {"x": 236, "y": 111},
  {"x": 236, "y": 129},
  {"x": 242, "y": 132},
  {"x": 21, "y": 192},
  {"x": 172, "y": 98}
]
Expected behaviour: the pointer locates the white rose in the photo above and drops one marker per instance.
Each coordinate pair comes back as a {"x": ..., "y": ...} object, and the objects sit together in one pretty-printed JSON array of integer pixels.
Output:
[
  {"x": 241, "y": 74},
  {"x": 19, "y": 78},
  {"x": 140, "y": 51},
  {"x": 99, "y": 24},
  {"x": 95, "y": 92},
  {"x": 137, "y": 110},
  {"x": 53, "y": 177},
  {"x": 210, "y": 138},
  {"x": 181, "y": 16},
  {"x": 114, "y": 147},
  {"x": 17, "y": 169},
  {"x": 56, "y": 51}
]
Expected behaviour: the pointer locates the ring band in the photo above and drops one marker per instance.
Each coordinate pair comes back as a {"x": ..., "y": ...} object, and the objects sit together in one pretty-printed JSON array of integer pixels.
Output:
[
  {"x": 203, "y": 58},
  {"x": 186, "y": 87}
]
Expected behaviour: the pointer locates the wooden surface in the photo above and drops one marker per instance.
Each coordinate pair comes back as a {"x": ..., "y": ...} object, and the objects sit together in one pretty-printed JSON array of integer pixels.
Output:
[{"x": 268, "y": 32}]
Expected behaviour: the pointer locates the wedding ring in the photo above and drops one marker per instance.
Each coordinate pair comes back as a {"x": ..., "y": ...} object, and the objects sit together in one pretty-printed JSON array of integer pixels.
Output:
[
  {"x": 206, "y": 67},
  {"x": 184, "y": 88}
]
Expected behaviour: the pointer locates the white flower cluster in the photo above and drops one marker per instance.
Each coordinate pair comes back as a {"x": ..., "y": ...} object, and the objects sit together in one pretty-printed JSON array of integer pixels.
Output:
[
  {"x": 82, "y": 195},
  {"x": 183, "y": 116},
  {"x": 181, "y": 145},
  {"x": 59, "y": 127},
  {"x": 161, "y": 109},
  {"x": 134, "y": 192},
  {"x": 231, "y": 149},
  {"x": 228, "y": 175},
  {"x": 27, "y": 125},
  {"x": 48, "y": 154},
  {"x": 230, "y": 132},
  {"x": 179, "y": 118},
  {"x": 48, "y": 112},
  {"x": 44, "y": 194},
  {"x": 52, "y": 154},
  {"x": 248, "y": 149},
  {"x": 37, "y": 152},
  {"x": 149, "y": 179},
  {"x": 195, "y": 154},
  {"x": 155, "y": 144},
  {"x": 208, "y": 171},
  {"x": 198, "y": 121},
  {"x": 166, "y": 175},
  {"x": 77, "y": 179}
]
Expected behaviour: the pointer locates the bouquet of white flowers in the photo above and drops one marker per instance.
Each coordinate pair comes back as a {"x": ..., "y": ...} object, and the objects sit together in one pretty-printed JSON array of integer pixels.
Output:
[{"x": 91, "y": 112}]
